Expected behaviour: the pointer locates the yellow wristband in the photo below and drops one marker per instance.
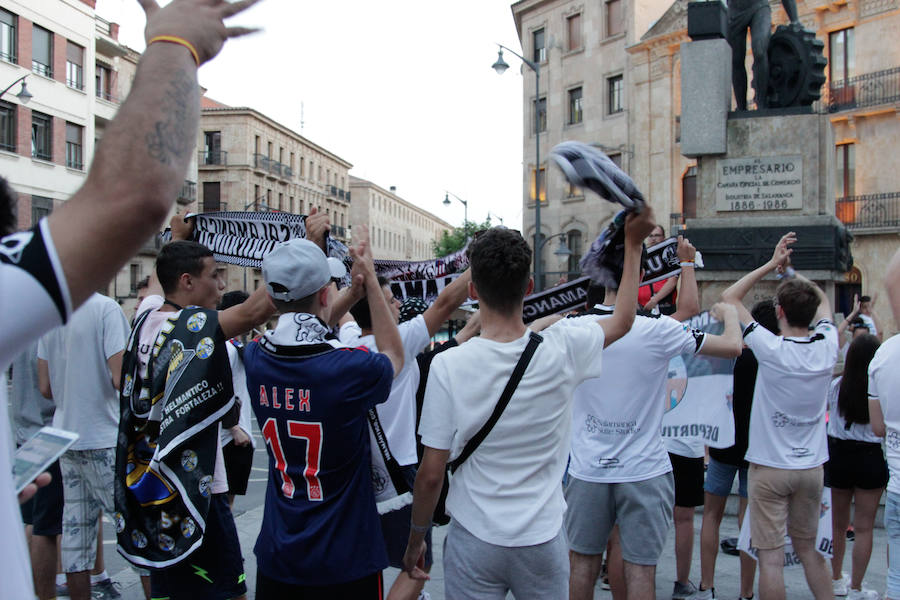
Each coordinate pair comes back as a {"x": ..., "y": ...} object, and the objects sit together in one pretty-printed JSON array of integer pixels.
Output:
[{"x": 180, "y": 41}]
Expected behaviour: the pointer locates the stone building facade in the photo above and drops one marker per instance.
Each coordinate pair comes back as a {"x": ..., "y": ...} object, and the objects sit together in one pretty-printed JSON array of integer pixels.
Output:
[
  {"x": 248, "y": 162},
  {"x": 585, "y": 96},
  {"x": 861, "y": 100},
  {"x": 398, "y": 229}
]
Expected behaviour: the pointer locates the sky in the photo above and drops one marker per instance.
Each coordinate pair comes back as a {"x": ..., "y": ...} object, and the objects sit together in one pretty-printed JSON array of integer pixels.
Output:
[{"x": 402, "y": 89}]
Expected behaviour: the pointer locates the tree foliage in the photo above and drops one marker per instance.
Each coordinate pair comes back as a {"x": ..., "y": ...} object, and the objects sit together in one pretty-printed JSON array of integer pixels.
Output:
[{"x": 451, "y": 241}]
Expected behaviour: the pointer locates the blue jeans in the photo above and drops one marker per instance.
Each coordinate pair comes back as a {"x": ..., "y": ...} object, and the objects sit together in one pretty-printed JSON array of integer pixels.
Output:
[{"x": 892, "y": 525}]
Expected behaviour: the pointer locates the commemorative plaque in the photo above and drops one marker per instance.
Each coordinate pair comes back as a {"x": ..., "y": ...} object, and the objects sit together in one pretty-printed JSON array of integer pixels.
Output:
[{"x": 750, "y": 184}]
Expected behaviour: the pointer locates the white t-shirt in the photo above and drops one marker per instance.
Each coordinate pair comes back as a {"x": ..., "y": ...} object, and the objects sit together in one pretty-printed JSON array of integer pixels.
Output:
[
  {"x": 508, "y": 492},
  {"x": 787, "y": 421},
  {"x": 398, "y": 414},
  {"x": 149, "y": 332},
  {"x": 239, "y": 382},
  {"x": 884, "y": 386},
  {"x": 616, "y": 417},
  {"x": 34, "y": 298},
  {"x": 76, "y": 355},
  {"x": 837, "y": 426}
]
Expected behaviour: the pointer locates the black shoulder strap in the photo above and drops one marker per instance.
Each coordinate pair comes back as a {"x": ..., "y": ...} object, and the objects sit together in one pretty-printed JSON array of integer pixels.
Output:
[{"x": 472, "y": 444}]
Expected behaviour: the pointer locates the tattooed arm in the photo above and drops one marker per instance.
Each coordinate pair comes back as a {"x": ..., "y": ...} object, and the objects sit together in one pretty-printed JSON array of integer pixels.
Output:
[{"x": 141, "y": 162}]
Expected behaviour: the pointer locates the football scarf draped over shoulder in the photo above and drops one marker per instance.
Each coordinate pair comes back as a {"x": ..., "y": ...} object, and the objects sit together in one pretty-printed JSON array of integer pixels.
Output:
[{"x": 168, "y": 437}]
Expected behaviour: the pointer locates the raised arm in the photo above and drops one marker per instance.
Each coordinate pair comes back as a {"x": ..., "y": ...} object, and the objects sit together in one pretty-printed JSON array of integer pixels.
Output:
[
  {"x": 730, "y": 343},
  {"x": 146, "y": 149},
  {"x": 384, "y": 327},
  {"x": 842, "y": 326},
  {"x": 688, "y": 302},
  {"x": 447, "y": 301},
  {"x": 735, "y": 293},
  {"x": 243, "y": 317},
  {"x": 637, "y": 227}
]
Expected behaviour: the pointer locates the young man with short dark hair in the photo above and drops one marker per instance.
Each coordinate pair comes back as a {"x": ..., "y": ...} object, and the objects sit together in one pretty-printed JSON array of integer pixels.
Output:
[
  {"x": 175, "y": 371},
  {"x": 505, "y": 499},
  {"x": 787, "y": 443}
]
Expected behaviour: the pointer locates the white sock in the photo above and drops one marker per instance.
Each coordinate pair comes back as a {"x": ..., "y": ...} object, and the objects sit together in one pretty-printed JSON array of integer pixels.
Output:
[{"x": 98, "y": 578}]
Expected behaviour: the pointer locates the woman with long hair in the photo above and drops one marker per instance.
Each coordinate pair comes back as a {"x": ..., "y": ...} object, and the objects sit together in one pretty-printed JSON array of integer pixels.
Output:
[{"x": 856, "y": 470}]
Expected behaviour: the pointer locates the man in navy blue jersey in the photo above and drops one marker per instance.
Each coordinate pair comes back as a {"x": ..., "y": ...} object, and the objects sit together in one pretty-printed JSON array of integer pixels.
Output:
[{"x": 320, "y": 533}]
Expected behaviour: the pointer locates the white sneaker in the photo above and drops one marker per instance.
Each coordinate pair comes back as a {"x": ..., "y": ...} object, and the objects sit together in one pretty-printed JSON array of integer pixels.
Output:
[
  {"x": 423, "y": 595},
  {"x": 709, "y": 594},
  {"x": 863, "y": 594},
  {"x": 841, "y": 586}
]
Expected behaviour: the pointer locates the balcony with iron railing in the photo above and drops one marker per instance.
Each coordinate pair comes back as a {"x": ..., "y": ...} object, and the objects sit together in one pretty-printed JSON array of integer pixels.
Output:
[
  {"x": 208, "y": 158},
  {"x": 863, "y": 91},
  {"x": 338, "y": 231},
  {"x": 869, "y": 213},
  {"x": 279, "y": 169}
]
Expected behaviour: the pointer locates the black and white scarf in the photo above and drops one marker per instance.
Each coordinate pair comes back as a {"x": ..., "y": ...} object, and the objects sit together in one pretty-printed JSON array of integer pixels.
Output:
[{"x": 168, "y": 438}]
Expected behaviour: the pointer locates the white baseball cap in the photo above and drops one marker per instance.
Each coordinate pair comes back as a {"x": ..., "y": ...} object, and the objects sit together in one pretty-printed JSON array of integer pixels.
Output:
[{"x": 297, "y": 268}]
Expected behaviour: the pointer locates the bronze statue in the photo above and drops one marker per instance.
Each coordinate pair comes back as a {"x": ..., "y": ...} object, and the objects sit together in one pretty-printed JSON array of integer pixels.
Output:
[{"x": 756, "y": 15}]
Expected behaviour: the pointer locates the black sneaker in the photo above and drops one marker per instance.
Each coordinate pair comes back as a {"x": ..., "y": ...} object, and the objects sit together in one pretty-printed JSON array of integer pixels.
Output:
[{"x": 105, "y": 590}]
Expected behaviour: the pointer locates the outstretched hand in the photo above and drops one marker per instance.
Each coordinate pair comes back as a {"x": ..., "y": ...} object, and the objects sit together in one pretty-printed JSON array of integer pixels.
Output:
[
  {"x": 685, "y": 250},
  {"x": 639, "y": 225},
  {"x": 361, "y": 253},
  {"x": 199, "y": 22},
  {"x": 782, "y": 255},
  {"x": 182, "y": 229},
  {"x": 414, "y": 562},
  {"x": 318, "y": 224}
]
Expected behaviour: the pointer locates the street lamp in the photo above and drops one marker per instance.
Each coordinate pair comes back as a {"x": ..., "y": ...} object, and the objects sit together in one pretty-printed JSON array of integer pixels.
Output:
[
  {"x": 24, "y": 95},
  {"x": 500, "y": 66},
  {"x": 465, "y": 208},
  {"x": 562, "y": 250},
  {"x": 489, "y": 215}
]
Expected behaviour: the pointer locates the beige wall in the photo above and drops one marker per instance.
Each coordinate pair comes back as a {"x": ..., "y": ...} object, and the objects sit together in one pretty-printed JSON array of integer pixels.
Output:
[{"x": 398, "y": 229}]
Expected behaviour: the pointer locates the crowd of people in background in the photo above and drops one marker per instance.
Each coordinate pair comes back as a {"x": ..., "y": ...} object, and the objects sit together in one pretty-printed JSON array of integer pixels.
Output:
[{"x": 560, "y": 477}]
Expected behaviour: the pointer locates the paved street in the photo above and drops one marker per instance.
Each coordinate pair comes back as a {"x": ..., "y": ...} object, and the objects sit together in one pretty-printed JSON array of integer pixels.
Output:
[{"x": 248, "y": 515}]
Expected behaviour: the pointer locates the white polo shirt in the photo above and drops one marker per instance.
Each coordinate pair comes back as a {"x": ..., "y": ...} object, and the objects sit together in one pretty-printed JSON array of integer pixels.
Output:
[
  {"x": 787, "y": 421},
  {"x": 884, "y": 386},
  {"x": 616, "y": 417},
  {"x": 508, "y": 493}
]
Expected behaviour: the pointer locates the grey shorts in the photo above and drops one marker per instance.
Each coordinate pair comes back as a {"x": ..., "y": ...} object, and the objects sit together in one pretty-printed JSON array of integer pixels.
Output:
[
  {"x": 642, "y": 509},
  {"x": 477, "y": 570}
]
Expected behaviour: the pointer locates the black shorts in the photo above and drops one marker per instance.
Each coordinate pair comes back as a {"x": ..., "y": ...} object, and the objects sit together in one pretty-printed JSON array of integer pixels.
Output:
[
  {"x": 367, "y": 588},
  {"x": 688, "y": 473},
  {"x": 215, "y": 571},
  {"x": 47, "y": 506},
  {"x": 853, "y": 464},
  {"x": 395, "y": 528},
  {"x": 238, "y": 463}
]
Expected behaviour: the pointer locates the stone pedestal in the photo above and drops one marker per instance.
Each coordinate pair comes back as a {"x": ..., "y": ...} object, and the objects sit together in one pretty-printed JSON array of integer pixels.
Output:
[
  {"x": 777, "y": 176},
  {"x": 775, "y": 166},
  {"x": 705, "y": 96}
]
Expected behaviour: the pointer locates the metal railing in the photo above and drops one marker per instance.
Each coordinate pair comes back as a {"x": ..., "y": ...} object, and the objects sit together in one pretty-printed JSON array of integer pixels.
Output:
[
  {"x": 263, "y": 162},
  {"x": 41, "y": 69},
  {"x": 213, "y": 157},
  {"x": 103, "y": 26},
  {"x": 108, "y": 96},
  {"x": 338, "y": 231},
  {"x": 868, "y": 89},
  {"x": 870, "y": 211}
]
